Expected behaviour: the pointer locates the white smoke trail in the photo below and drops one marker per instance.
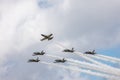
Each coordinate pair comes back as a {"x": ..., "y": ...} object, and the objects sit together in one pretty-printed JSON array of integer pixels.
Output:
[
  {"x": 87, "y": 58},
  {"x": 83, "y": 70},
  {"x": 105, "y": 58},
  {"x": 109, "y": 58},
  {"x": 55, "y": 45},
  {"x": 60, "y": 45},
  {"x": 99, "y": 63},
  {"x": 86, "y": 65},
  {"x": 104, "y": 66},
  {"x": 94, "y": 67},
  {"x": 81, "y": 54},
  {"x": 96, "y": 56},
  {"x": 112, "y": 69}
]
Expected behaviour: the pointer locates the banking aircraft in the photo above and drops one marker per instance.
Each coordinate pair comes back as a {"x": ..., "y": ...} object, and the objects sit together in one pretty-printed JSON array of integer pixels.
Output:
[{"x": 46, "y": 37}]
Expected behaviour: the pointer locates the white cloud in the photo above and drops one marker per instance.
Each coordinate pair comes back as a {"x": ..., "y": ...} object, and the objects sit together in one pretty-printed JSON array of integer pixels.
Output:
[{"x": 80, "y": 23}]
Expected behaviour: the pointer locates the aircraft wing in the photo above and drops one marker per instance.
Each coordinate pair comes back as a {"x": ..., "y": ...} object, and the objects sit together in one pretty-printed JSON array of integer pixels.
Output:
[
  {"x": 43, "y": 35},
  {"x": 43, "y": 39},
  {"x": 50, "y": 35},
  {"x": 50, "y": 38}
]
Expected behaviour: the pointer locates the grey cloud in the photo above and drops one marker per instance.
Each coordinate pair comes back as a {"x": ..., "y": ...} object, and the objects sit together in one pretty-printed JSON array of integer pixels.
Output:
[
  {"x": 78, "y": 23},
  {"x": 96, "y": 21},
  {"x": 17, "y": 68}
]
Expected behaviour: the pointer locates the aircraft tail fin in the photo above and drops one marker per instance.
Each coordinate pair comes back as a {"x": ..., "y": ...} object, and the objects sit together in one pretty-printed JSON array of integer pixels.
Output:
[
  {"x": 37, "y": 58},
  {"x": 93, "y": 51}
]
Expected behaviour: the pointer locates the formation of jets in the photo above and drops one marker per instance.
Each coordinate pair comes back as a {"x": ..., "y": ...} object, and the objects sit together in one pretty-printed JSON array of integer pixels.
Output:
[
  {"x": 50, "y": 37},
  {"x": 45, "y": 37}
]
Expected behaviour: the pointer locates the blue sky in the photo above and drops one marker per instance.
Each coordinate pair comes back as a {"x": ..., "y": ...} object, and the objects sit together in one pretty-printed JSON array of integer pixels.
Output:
[
  {"x": 85, "y": 25},
  {"x": 114, "y": 51}
]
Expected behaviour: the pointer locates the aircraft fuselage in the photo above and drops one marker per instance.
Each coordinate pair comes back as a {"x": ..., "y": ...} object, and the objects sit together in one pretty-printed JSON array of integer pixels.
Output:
[
  {"x": 90, "y": 52},
  {"x": 33, "y": 60},
  {"x": 67, "y": 50},
  {"x": 38, "y": 53}
]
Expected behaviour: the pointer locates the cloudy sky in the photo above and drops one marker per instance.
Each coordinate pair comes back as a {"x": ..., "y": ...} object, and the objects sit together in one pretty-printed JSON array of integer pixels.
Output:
[{"x": 83, "y": 24}]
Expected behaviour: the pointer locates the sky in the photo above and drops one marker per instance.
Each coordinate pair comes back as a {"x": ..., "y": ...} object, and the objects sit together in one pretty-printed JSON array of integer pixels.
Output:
[{"x": 82, "y": 24}]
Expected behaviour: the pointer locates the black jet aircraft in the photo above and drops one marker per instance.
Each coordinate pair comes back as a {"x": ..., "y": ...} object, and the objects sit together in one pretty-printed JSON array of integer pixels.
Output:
[
  {"x": 60, "y": 60},
  {"x": 38, "y": 53},
  {"x": 69, "y": 50},
  {"x": 46, "y": 37},
  {"x": 90, "y": 52},
  {"x": 34, "y": 60}
]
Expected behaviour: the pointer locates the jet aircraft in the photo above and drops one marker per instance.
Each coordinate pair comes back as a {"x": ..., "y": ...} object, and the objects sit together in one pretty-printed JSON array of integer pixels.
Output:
[
  {"x": 34, "y": 60},
  {"x": 39, "y": 53},
  {"x": 46, "y": 37},
  {"x": 89, "y": 52},
  {"x": 69, "y": 50},
  {"x": 60, "y": 60}
]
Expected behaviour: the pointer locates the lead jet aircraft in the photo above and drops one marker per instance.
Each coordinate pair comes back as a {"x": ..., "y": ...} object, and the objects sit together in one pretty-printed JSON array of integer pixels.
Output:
[
  {"x": 38, "y": 53},
  {"x": 60, "y": 60},
  {"x": 69, "y": 50},
  {"x": 89, "y": 52},
  {"x": 34, "y": 60},
  {"x": 46, "y": 37}
]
